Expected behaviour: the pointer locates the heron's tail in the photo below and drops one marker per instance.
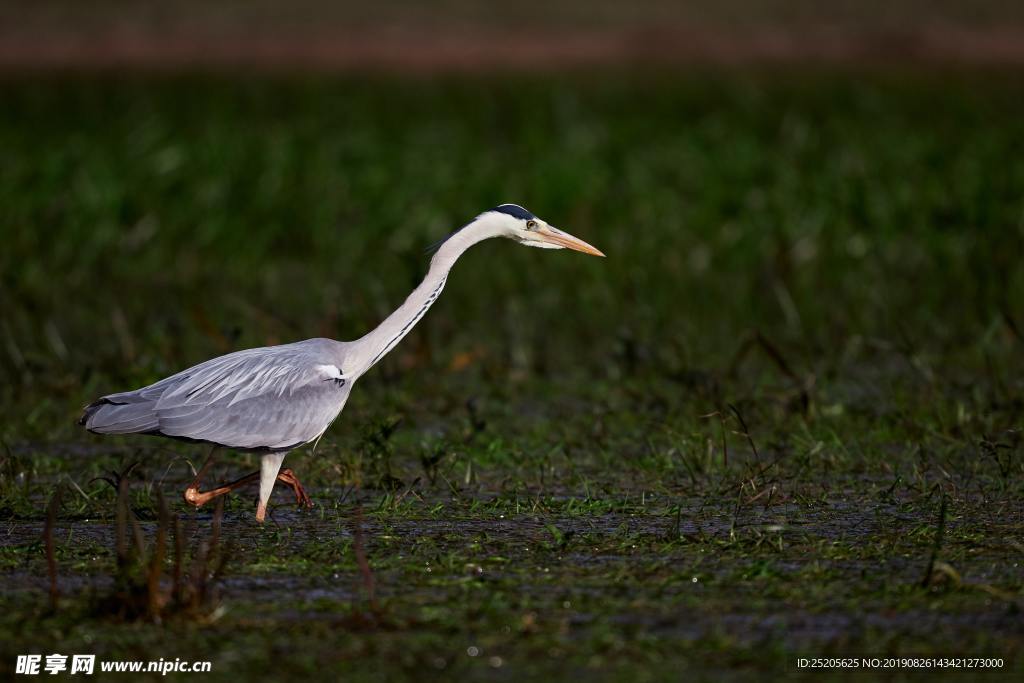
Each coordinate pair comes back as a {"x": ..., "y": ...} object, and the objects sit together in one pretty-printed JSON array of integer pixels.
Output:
[{"x": 113, "y": 415}]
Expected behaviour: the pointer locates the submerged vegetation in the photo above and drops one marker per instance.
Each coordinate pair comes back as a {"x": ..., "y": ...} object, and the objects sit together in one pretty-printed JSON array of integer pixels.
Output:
[{"x": 782, "y": 418}]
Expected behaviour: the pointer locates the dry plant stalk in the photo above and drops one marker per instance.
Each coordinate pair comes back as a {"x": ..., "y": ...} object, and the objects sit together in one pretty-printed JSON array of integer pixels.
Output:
[
  {"x": 51, "y": 555},
  {"x": 364, "y": 566},
  {"x": 140, "y": 591},
  {"x": 940, "y": 532}
]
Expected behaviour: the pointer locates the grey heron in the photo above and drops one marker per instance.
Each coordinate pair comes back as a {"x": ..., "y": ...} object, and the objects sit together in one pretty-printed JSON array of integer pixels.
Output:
[{"x": 274, "y": 399}]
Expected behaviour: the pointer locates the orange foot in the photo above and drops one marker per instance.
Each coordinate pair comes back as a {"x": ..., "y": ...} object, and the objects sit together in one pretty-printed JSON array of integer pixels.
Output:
[{"x": 301, "y": 497}]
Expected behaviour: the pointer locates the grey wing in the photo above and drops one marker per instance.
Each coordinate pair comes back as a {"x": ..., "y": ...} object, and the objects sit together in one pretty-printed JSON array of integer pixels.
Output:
[{"x": 272, "y": 398}]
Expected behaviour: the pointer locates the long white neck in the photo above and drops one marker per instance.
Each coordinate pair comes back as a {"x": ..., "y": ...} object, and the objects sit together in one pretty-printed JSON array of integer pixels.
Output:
[{"x": 373, "y": 346}]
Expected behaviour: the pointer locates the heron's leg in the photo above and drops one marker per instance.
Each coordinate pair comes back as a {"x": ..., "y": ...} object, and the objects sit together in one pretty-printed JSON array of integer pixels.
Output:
[
  {"x": 192, "y": 494},
  {"x": 270, "y": 465},
  {"x": 198, "y": 498},
  {"x": 301, "y": 497}
]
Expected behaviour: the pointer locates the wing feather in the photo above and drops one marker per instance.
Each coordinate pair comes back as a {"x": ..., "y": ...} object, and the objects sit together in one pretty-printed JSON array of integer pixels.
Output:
[{"x": 271, "y": 398}]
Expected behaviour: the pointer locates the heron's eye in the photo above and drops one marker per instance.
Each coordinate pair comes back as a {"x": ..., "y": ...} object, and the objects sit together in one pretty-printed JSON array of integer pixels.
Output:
[{"x": 531, "y": 225}]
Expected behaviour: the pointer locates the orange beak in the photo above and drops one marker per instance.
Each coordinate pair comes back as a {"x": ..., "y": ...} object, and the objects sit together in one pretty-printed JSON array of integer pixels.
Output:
[{"x": 564, "y": 239}]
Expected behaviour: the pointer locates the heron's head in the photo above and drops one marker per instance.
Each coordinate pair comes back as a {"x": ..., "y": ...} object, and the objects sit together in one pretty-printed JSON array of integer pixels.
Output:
[{"x": 522, "y": 226}]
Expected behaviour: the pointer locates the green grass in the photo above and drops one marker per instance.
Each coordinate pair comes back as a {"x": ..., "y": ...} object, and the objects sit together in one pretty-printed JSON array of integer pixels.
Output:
[{"x": 553, "y": 468}]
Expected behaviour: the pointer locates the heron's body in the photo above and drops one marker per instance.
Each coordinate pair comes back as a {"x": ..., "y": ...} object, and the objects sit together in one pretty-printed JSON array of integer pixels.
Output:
[
  {"x": 270, "y": 399},
  {"x": 277, "y": 398}
]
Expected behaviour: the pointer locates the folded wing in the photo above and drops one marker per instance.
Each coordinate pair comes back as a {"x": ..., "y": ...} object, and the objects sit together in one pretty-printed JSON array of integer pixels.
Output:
[{"x": 271, "y": 398}]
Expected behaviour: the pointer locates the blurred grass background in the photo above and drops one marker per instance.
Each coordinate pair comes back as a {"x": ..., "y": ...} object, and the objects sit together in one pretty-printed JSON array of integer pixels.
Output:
[
  {"x": 797, "y": 376},
  {"x": 149, "y": 224}
]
